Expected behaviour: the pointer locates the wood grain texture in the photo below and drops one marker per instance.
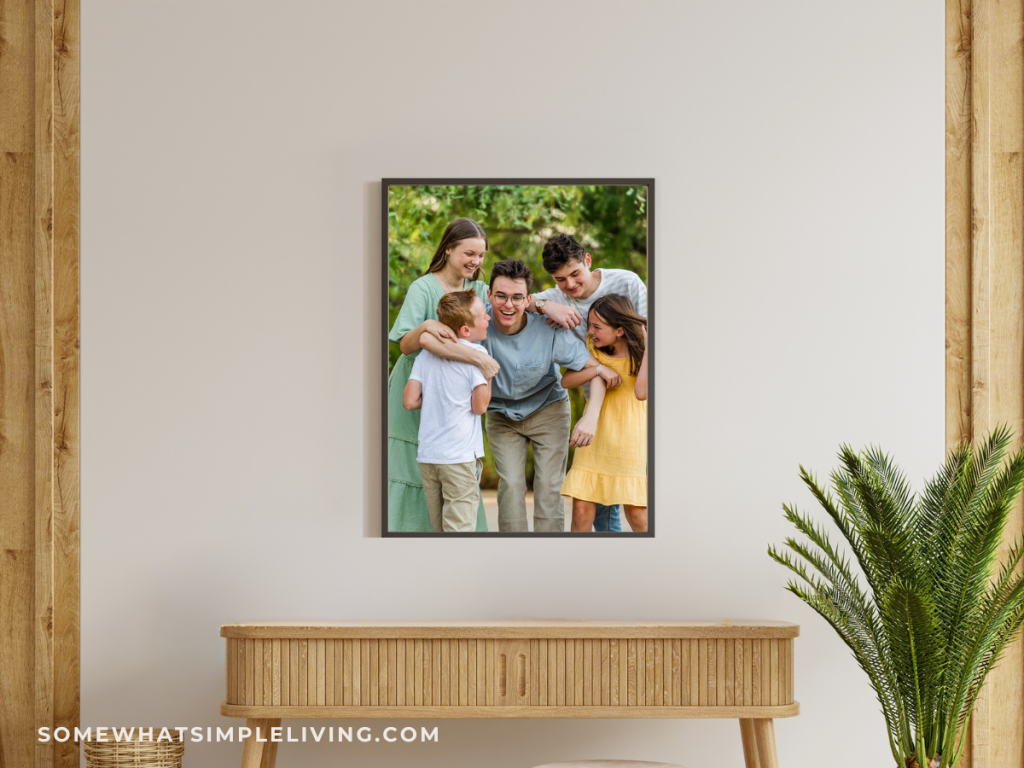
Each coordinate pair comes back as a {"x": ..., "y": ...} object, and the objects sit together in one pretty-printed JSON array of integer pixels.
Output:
[
  {"x": 513, "y": 712},
  {"x": 1006, "y": 331},
  {"x": 231, "y": 663},
  {"x": 514, "y": 629},
  {"x": 750, "y": 758},
  {"x": 268, "y": 671},
  {"x": 301, "y": 674},
  {"x": 958, "y": 222},
  {"x": 984, "y": 268},
  {"x": 373, "y": 673},
  {"x": 293, "y": 671},
  {"x": 764, "y": 733},
  {"x": 252, "y": 749},
  {"x": 285, "y": 672},
  {"x": 269, "y": 758},
  {"x": 66, "y": 366},
  {"x": 39, "y": 379}
]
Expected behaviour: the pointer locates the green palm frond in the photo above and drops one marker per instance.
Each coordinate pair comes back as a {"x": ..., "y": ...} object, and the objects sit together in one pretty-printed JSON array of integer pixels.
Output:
[{"x": 940, "y": 605}]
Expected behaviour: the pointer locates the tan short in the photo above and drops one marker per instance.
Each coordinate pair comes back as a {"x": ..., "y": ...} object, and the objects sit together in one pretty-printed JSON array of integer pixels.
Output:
[{"x": 453, "y": 494}]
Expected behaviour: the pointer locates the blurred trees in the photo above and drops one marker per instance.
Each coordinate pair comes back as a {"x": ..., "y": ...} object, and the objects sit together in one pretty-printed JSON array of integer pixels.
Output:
[{"x": 610, "y": 222}]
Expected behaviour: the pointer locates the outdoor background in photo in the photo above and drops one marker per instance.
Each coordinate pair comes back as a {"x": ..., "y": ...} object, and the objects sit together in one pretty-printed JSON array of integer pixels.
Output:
[{"x": 610, "y": 222}]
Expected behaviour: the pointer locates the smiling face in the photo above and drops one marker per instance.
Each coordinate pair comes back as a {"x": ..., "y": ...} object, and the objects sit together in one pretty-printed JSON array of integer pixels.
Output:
[
  {"x": 505, "y": 295},
  {"x": 465, "y": 257},
  {"x": 478, "y": 330},
  {"x": 601, "y": 332},
  {"x": 573, "y": 278}
]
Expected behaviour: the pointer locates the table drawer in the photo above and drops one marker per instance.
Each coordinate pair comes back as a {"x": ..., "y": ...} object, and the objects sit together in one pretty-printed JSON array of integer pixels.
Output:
[{"x": 513, "y": 672}]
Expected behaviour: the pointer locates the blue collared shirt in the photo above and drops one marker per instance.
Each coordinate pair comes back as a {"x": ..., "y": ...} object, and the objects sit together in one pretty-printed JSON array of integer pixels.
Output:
[{"x": 529, "y": 378}]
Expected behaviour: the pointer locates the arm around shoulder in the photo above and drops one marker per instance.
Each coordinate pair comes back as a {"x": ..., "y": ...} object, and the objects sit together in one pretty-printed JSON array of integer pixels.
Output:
[{"x": 572, "y": 379}]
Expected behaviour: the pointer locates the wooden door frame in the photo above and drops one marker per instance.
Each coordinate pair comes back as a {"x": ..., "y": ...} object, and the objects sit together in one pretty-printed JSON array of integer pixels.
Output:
[
  {"x": 985, "y": 288},
  {"x": 39, "y": 346},
  {"x": 39, "y": 379}
]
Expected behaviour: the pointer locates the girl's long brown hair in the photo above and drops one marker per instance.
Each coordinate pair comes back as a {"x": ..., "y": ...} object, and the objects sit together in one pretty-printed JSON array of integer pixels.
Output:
[
  {"x": 455, "y": 233},
  {"x": 617, "y": 311}
]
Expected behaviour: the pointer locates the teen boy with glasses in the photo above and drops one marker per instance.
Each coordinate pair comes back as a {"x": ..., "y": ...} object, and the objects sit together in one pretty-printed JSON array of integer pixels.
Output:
[{"x": 529, "y": 403}]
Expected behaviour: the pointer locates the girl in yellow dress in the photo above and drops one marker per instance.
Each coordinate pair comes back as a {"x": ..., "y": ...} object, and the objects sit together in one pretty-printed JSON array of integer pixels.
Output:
[{"x": 610, "y": 463}]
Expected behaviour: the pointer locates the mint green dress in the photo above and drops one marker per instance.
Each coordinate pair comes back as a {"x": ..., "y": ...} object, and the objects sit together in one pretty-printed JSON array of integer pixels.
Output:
[{"x": 407, "y": 505}]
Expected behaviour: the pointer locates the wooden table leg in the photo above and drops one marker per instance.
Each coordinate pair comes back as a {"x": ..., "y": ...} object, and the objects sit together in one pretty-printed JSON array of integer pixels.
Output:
[
  {"x": 252, "y": 750},
  {"x": 749, "y": 744},
  {"x": 270, "y": 748},
  {"x": 764, "y": 732}
]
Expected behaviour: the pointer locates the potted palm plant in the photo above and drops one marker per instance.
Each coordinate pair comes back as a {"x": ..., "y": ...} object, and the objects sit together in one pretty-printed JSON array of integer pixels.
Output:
[{"x": 938, "y": 605}]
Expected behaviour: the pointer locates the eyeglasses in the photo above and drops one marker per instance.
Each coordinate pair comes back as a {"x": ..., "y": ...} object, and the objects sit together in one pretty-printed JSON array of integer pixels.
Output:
[{"x": 516, "y": 299}]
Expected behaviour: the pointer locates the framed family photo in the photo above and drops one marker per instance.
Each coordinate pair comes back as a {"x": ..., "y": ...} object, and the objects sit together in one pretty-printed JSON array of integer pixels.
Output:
[{"x": 518, "y": 358}]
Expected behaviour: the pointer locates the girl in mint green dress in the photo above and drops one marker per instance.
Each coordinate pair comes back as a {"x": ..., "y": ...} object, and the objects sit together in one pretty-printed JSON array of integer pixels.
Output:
[{"x": 455, "y": 267}]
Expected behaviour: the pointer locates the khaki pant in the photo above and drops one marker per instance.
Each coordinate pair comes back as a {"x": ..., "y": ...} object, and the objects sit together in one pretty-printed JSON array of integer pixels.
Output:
[
  {"x": 548, "y": 430},
  {"x": 453, "y": 495}
]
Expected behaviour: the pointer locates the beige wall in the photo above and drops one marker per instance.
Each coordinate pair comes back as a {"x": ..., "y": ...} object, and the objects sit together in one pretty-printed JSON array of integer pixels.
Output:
[{"x": 231, "y": 154}]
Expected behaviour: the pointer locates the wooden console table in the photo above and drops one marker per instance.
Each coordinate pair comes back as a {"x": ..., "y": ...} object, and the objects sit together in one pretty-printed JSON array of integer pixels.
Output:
[{"x": 518, "y": 669}]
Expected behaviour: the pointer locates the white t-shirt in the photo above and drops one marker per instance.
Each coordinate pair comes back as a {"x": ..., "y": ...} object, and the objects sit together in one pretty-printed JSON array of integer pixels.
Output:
[
  {"x": 621, "y": 281},
  {"x": 450, "y": 432}
]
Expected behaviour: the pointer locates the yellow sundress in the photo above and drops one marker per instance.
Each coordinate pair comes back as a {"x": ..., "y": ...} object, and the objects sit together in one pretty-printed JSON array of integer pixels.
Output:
[{"x": 613, "y": 468}]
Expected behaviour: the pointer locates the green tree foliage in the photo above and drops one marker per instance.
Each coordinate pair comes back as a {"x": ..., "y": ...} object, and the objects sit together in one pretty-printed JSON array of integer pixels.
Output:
[{"x": 610, "y": 221}]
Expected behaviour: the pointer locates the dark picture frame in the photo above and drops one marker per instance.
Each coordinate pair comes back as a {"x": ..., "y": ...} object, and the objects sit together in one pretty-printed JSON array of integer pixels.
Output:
[{"x": 649, "y": 183}]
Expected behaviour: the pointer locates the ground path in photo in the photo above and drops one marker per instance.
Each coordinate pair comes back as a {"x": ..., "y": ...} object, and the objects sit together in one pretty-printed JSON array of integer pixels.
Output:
[{"x": 491, "y": 509}]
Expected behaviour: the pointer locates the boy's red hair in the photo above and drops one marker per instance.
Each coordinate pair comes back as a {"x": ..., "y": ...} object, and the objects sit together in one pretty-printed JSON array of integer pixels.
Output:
[{"x": 456, "y": 309}]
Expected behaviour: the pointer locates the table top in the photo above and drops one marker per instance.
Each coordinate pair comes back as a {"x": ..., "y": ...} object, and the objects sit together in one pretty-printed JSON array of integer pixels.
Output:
[{"x": 512, "y": 629}]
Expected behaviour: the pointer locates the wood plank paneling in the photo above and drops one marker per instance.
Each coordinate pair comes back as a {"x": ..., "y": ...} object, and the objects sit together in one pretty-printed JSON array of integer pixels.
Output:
[
  {"x": 268, "y": 671},
  {"x": 362, "y": 667},
  {"x": 599, "y": 674},
  {"x": 313, "y": 679},
  {"x": 417, "y": 671},
  {"x": 386, "y": 673},
  {"x": 463, "y": 673},
  {"x": 588, "y": 673},
  {"x": 702, "y": 673},
  {"x": 359, "y": 691},
  {"x": 427, "y": 674},
  {"x": 275, "y": 672},
  {"x": 658, "y": 697},
  {"x": 516, "y": 630},
  {"x": 614, "y": 689},
  {"x": 684, "y": 673},
  {"x": 985, "y": 290},
  {"x": 330, "y": 684},
  {"x": 570, "y": 672},
  {"x": 712, "y": 675},
  {"x": 578, "y": 694},
  {"x": 606, "y": 678},
  {"x": 482, "y": 684},
  {"x": 541, "y": 673},
  {"x": 374, "y": 671},
  {"x": 39, "y": 379},
  {"x": 436, "y": 671},
  {"x": 766, "y": 672},
  {"x": 552, "y": 672}
]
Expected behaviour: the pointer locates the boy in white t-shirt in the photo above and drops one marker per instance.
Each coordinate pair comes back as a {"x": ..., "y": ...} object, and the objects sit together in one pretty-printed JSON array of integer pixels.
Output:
[{"x": 452, "y": 396}]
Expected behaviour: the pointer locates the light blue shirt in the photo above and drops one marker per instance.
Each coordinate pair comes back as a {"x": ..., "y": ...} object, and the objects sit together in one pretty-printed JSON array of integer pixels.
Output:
[{"x": 529, "y": 378}]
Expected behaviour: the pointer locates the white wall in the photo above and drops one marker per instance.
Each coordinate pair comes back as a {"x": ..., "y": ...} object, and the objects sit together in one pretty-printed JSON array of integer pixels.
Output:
[{"x": 231, "y": 154}]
